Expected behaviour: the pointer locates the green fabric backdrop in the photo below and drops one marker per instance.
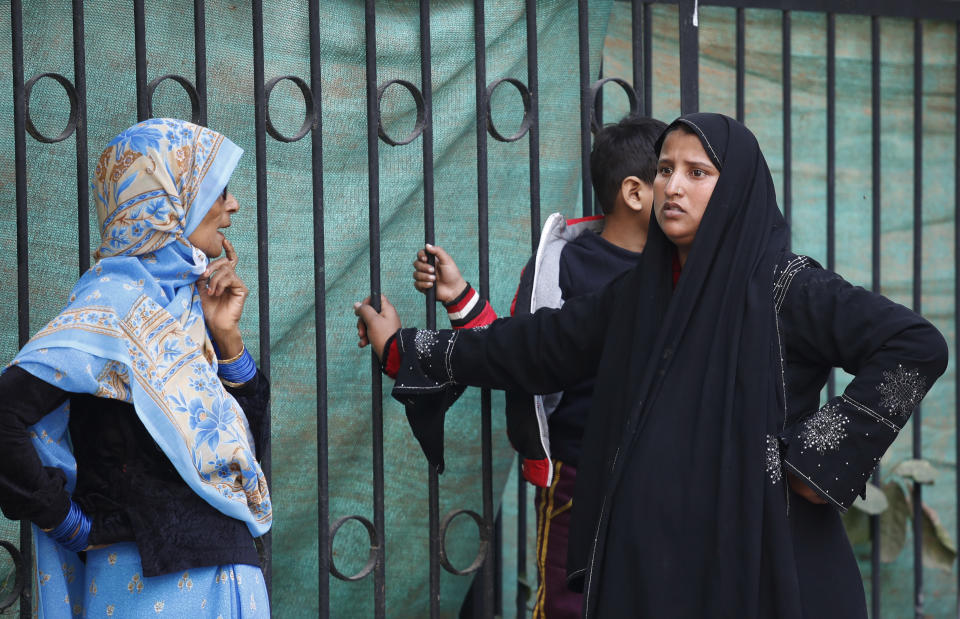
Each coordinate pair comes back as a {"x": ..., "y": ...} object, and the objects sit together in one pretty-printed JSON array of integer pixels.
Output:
[{"x": 111, "y": 108}]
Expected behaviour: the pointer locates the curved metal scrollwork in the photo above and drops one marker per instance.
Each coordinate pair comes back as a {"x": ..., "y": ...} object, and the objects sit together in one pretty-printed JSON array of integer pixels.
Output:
[
  {"x": 595, "y": 90},
  {"x": 19, "y": 580},
  {"x": 421, "y": 113},
  {"x": 374, "y": 549},
  {"x": 187, "y": 86},
  {"x": 481, "y": 551},
  {"x": 309, "y": 118},
  {"x": 524, "y": 124},
  {"x": 74, "y": 107}
]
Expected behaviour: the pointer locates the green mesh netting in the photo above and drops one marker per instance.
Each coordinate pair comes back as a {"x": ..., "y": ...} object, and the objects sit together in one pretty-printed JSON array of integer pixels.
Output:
[
  {"x": 854, "y": 196},
  {"x": 112, "y": 107}
]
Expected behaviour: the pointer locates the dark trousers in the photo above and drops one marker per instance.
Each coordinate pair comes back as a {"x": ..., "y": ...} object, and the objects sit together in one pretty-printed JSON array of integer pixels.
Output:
[{"x": 553, "y": 504}]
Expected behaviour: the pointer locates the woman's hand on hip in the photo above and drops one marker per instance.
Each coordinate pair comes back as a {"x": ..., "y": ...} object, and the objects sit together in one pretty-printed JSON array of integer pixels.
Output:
[{"x": 804, "y": 490}]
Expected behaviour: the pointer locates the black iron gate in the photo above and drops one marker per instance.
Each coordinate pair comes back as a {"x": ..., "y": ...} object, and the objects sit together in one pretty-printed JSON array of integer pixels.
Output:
[{"x": 486, "y": 594}]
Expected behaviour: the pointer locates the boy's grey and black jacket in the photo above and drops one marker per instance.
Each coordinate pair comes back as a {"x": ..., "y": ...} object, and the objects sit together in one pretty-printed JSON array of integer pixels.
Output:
[{"x": 572, "y": 259}]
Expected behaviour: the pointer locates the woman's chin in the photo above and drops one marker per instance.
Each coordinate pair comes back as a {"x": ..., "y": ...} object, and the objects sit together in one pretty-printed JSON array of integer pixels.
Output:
[{"x": 213, "y": 252}]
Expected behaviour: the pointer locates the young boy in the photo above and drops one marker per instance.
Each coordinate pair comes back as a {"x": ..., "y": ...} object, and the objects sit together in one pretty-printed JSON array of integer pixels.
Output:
[{"x": 574, "y": 257}]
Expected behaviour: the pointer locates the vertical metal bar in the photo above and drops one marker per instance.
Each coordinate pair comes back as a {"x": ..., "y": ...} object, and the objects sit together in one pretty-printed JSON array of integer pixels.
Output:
[
  {"x": 83, "y": 191},
  {"x": 636, "y": 49},
  {"x": 486, "y": 431},
  {"x": 522, "y": 593},
  {"x": 917, "y": 298},
  {"x": 373, "y": 167},
  {"x": 831, "y": 160},
  {"x": 480, "y": 51},
  {"x": 426, "y": 89},
  {"x": 583, "y": 18},
  {"x": 498, "y": 564},
  {"x": 533, "y": 86},
  {"x": 647, "y": 59},
  {"x": 831, "y": 138},
  {"x": 140, "y": 55},
  {"x": 320, "y": 318},
  {"x": 597, "y": 101},
  {"x": 786, "y": 54},
  {"x": 429, "y": 236},
  {"x": 23, "y": 273},
  {"x": 956, "y": 264},
  {"x": 263, "y": 270},
  {"x": 741, "y": 68},
  {"x": 876, "y": 164},
  {"x": 689, "y": 57},
  {"x": 200, "y": 55}
]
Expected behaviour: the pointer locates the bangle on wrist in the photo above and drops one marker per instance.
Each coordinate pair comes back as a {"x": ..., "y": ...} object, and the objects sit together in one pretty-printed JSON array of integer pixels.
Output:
[
  {"x": 74, "y": 532},
  {"x": 234, "y": 358},
  {"x": 238, "y": 370}
]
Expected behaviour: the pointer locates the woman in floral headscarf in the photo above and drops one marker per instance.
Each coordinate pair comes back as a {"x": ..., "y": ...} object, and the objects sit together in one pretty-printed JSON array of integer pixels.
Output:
[{"x": 146, "y": 368}]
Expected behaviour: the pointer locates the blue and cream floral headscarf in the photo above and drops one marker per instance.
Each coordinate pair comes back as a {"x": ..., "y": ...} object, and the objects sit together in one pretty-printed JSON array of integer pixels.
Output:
[{"x": 133, "y": 328}]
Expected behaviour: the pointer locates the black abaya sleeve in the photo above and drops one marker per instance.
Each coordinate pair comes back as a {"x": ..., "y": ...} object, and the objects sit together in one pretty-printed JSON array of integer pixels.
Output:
[
  {"x": 28, "y": 489},
  {"x": 542, "y": 352},
  {"x": 895, "y": 356}
]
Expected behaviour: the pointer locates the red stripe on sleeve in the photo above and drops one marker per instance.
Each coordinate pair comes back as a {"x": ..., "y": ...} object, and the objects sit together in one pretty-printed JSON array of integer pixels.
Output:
[
  {"x": 392, "y": 367},
  {"x": 486, "y": 316},
  {"x": 462, "y": 303}
]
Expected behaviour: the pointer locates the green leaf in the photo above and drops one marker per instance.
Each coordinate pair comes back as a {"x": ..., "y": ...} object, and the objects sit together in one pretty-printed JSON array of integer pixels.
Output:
[
  {"x": 920, "y": 471},
  {"x": 857, "y": 524},
  {"x": 893, "y": 522},
  {"x": 939, "y": 550},
  {"x": 875, "y": 503}
]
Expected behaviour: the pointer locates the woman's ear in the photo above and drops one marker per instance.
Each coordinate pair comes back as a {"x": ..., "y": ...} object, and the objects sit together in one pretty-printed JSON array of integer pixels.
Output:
[{"x": 636, "y": 194}]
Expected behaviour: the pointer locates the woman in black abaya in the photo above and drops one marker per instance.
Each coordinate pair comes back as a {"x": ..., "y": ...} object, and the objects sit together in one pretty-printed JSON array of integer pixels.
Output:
[{"x": 711, "y": 479}]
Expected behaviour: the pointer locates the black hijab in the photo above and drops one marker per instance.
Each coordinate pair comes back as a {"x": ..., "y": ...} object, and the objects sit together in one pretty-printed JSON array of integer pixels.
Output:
[{"x": 675, "y": 515}]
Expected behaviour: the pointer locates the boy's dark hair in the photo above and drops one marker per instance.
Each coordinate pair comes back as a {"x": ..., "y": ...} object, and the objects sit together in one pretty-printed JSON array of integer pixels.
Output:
[{"x": 622, "y": 150}]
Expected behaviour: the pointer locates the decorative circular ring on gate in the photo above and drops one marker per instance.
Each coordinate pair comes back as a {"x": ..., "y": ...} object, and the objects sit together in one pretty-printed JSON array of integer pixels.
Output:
[
  {"x": 74, "y": 107},
  {"x": 374, "y": 554},
  {"x": 595, "y": 90},
  {"x": 187, "y": 85},
  {"x": 481, "y": 552},
  {"x": 421, "y": 113},
  {"x": 309, "y": 116},
  {"x": 524, "y": 124},
  {"x": 18, "y": 581}
]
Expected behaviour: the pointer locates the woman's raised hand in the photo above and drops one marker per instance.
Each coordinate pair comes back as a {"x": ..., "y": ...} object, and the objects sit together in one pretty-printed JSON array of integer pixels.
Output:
[
  {"x": 445, "y": 274},
  {"x": 222, "y": 295},
  {"x": 375, "y": 328}
]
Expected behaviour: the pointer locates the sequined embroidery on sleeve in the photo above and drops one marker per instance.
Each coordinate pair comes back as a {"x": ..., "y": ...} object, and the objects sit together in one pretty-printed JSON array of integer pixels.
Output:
[
  {"x": 774, "y": 468},
  {"x": 825, "y": 429},
  {"x": 902, "y": 390},
  {"x": 425, "y": 341}
]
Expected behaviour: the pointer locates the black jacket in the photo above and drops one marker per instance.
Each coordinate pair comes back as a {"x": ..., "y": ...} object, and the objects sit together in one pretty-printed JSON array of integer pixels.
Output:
[{"x": 125, "y": 483}]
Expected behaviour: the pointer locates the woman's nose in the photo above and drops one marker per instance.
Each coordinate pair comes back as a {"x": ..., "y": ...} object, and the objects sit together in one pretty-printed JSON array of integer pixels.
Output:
[
  {"x": 232, "y": 206},
  {"x": 673, "y": 185}
]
